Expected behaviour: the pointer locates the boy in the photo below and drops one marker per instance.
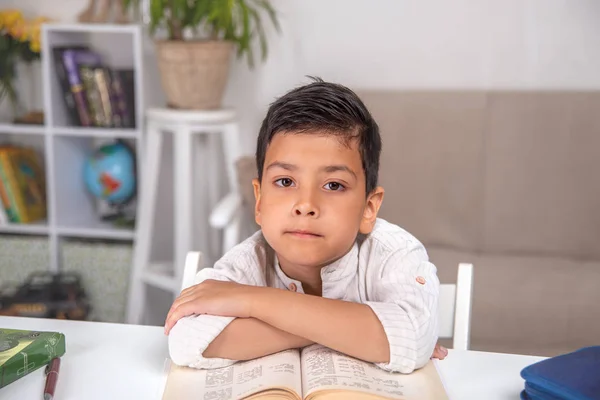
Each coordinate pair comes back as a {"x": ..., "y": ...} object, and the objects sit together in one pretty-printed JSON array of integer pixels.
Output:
[{"x": 323, "y": 268}]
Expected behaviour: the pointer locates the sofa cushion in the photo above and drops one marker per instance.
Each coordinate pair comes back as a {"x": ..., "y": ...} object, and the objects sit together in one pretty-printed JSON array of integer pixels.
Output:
[
  {"x": 541, "y": 177},
  {"x": 529, "y": 305},
  {"x": 431, "y": 163}
]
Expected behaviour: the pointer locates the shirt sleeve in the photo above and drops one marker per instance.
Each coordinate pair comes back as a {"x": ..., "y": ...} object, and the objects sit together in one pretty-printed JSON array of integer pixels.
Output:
[
  {"x": 191, "y": 335},
  {"x": 405, "y": 299}
]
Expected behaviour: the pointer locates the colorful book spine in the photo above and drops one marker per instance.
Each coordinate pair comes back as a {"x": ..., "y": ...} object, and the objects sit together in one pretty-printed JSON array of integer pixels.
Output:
[
  {"x": 7, "y": 188},
  {"x": 22, "y": 352},
  {"x": 63, "y": 79},
  {"x": 126, "y": 92},
  {"x": 102, "y": 82},
  {"x": 5, "y": 207},
  {"x": 72, "y": 60},
  {"x": 23, "y": 179},
  {"x": 117, "y": 101},
  {"x": 3, "y": 216},
  {"x": 92, "y": 95}
]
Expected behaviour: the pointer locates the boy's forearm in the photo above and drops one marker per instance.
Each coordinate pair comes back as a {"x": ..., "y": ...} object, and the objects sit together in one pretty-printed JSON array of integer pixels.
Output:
[
  {"x": 350, "y": 328},
  {"x": 248, "y": 338}
]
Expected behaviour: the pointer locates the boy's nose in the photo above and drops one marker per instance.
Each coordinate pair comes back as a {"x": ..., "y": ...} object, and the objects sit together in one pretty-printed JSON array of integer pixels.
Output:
[
  {"x": 306, "y": 208},
  {"x": 303, "y": 210}
]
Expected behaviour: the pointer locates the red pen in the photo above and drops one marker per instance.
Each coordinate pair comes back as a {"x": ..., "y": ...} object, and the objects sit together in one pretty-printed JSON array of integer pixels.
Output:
[{"x": 51, "y": 378}]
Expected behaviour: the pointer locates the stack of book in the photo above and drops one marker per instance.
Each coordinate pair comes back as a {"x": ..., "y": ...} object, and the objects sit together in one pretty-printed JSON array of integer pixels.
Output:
[
  {"x": 95, "y": 94},
  {"x": 22, "y": 185},
  {"x": 22, "y": 352}
]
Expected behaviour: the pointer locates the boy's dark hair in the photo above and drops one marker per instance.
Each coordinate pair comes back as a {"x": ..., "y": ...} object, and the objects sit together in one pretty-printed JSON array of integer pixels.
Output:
[{"x": 325, "y": 107}]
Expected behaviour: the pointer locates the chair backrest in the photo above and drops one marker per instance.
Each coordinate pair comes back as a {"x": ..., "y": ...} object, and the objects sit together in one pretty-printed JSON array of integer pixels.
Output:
[
  {"x": 454, "y": 311},
  {"x": 193, "y": 263}
]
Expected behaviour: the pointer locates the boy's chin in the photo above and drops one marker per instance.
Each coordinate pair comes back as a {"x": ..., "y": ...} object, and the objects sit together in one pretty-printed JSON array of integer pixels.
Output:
[{"x": 305, "y": 260}]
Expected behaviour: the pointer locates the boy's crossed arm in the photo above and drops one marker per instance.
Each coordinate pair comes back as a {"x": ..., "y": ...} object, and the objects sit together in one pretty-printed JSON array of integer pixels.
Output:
[
  {"x": 249, "y": 338},
  {"x": 271, "y": 320}
]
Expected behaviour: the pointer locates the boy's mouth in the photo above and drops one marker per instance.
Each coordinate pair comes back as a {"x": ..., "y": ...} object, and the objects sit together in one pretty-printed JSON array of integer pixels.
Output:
[{"x": 304, "y": 234}]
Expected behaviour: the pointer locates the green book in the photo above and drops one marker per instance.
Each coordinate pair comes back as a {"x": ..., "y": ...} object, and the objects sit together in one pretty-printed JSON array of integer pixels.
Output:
[{"x": 22, "y": 352}]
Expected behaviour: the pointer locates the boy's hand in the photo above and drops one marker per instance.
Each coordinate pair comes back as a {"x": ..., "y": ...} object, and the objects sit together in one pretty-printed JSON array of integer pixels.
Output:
[
  {"x": 440, "y": 352},
  {"x": 227, "y": 299}
]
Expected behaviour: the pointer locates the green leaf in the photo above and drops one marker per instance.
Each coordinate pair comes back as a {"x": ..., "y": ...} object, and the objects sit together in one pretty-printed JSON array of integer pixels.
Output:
[
  {"x": 157, "y": 11},
  {"x": 181, "y": 10},
  {"x": 236, "y": 20},
  {"x": 246, "y": 33},
  {"x": 262, "y": 37},
  {"x": 271, "y": 12},
  {"x": 200, "y": 12},
  {"x": 129, "y": 3}
]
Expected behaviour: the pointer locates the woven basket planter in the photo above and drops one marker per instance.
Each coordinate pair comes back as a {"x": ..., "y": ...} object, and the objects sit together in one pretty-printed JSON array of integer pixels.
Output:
[{"x": 194, "y": 73}]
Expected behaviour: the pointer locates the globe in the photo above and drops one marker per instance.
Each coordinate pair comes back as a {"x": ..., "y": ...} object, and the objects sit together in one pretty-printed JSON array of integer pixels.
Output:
[{"x": 109, "y": 173}]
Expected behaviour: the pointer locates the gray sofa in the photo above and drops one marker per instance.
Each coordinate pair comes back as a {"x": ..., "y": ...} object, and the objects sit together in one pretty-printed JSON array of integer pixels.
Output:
[{"x": 509, "y": 181}]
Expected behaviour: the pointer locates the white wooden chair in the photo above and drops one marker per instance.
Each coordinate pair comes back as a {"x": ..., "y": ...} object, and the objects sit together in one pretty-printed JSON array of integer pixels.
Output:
[
  {"x": 454, "y": 310},
  {"x": 227, "y": 216},
  {"x": 194, "y": 262}
]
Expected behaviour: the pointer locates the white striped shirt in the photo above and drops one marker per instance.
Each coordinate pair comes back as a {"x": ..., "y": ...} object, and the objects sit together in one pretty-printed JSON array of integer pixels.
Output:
[{"x": 388, "y": 270}]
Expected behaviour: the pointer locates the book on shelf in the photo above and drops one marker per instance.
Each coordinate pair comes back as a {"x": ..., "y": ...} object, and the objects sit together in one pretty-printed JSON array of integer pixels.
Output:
[
  {"x": 22, "y": 352},
  {"x": 69, "y": 90},
  {"x": 22, "y": 184},
  {"x": 4, "y": 202},
  {"x": 87, "y": 63},
  {"x": 123, "y": 90},
  {"x": 95, "y": 94},
  {"x": 313, "y": 373}
]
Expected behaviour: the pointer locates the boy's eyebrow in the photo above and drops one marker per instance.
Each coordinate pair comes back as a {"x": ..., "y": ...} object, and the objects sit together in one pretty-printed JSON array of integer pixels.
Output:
[
  {"x": 328, "y": 168},
  {"x": 336, "y": 168},
  {"x": 280, "y": 164}
]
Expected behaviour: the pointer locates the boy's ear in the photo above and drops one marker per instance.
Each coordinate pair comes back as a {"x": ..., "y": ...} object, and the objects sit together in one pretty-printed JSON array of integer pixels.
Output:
[
  {"x": 256, "y": 186},
  {"x": 374, "y": 200}
]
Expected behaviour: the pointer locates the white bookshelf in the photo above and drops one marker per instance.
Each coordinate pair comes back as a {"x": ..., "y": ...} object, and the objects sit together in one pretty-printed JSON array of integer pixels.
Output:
[{"x": 72, "y": 210}]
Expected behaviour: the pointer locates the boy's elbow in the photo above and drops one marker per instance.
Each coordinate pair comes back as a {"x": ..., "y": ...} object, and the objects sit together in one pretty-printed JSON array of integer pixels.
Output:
[
  {"x": 426, "y": 338},
  {"x": 423, "y": 358},
  {"x": 180, "y": 351},
  {"x": 191, "y": 336},
  {"x": 407, "y": 363},
  {"x": 413, "y": 354}
]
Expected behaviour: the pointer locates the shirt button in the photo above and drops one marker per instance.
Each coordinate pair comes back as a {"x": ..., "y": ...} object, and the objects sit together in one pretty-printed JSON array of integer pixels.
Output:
[
  {"x": 421, "y": 280},
  {"x": 293, "y": 287}
]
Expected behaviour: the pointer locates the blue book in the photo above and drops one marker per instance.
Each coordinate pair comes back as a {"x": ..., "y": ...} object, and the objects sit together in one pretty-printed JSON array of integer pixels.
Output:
[{"x": 571, "y": 376}]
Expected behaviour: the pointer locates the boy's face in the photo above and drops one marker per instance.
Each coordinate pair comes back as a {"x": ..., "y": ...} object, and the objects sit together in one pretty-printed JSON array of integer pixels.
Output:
[{"x": 311, "y": 202}]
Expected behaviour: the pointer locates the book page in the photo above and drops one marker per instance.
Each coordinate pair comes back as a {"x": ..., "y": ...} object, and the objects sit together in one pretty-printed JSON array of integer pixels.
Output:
[
  {"x": 326, "y": 369},
  {"x": 238, "y": 381}
]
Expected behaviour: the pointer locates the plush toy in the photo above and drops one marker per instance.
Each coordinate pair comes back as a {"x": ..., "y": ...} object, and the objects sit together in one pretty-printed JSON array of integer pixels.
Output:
[{"x": 99, "y": 11}]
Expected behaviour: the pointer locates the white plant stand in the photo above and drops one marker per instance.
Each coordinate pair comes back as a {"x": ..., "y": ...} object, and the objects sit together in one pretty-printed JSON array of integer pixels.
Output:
[
  {"x": 64, "y": 148},
  {"x": 196, "y": 154}
]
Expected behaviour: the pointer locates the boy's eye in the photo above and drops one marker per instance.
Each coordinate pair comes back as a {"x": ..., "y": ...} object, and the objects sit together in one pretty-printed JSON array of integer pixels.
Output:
[
  {"x": 284, "y": 182},
  {"x": 334, "y": 186}
]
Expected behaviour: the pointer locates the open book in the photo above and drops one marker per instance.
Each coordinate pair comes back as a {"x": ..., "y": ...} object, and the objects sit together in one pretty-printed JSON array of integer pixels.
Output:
[{"x": 314, "y": 373}]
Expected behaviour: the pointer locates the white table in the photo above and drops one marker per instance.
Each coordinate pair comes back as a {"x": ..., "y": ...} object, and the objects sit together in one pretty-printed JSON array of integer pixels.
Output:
[{"x": 113, "y": 361}]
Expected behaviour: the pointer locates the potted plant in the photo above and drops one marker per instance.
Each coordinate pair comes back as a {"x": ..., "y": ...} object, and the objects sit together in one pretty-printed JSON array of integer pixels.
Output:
[
  {"x": 19, "y": 46},
  {"x": 194, "y": 59}
]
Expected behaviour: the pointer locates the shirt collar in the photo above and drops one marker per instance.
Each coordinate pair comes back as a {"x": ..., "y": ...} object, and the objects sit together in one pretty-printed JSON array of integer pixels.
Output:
[
  {"x": 337, "y": 271},
  {"x": 287, "y": 281},
  {"x": 342, "y": 268}
]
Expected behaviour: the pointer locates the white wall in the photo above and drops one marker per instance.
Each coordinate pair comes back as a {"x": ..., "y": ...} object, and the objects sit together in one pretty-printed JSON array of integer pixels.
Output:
[{"x": 390, "y": 44}]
